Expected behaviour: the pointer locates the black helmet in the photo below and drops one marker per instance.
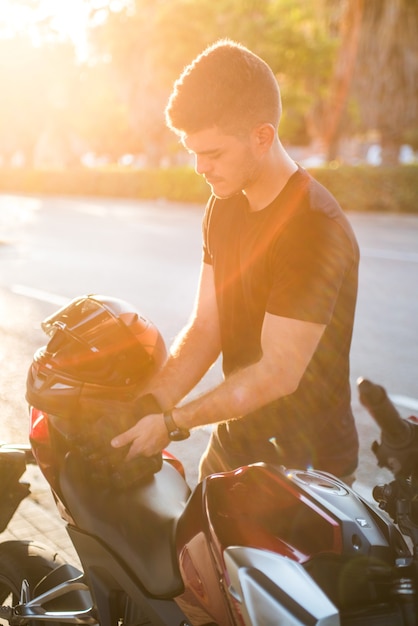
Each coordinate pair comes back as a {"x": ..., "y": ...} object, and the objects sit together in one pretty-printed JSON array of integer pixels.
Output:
[
  {"x": 100, "y": 354},
  {"x": 98, "y": 346}
]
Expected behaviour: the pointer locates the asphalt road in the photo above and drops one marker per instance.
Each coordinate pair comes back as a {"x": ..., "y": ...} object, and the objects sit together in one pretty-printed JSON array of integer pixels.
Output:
[{"x": 53, "y": 249}]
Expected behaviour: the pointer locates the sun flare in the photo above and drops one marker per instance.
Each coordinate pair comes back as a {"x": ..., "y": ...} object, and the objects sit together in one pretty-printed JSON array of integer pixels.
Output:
[{"x": 61, "y": 19}]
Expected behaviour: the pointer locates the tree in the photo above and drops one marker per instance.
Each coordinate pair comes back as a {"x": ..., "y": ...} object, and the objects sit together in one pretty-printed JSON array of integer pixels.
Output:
[
  {"x": 387, "y": 72},
  {"x": 350, "y": 24},
  {"x": 377, "y": 65},
  {"x": 37, "y": 84},
  {"x": 148, "y": 42}
]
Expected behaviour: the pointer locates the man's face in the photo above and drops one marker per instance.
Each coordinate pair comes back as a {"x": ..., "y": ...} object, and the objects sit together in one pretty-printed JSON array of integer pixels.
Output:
[{"x": 228, "y": 163}]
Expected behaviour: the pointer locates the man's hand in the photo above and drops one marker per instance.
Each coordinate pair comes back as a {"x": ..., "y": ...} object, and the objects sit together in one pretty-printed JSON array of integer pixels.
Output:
[{"x": 147, "y": 437}]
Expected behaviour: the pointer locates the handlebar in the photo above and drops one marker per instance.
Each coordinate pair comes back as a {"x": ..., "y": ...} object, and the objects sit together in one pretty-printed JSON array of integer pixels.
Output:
[
  {"x": 396, "y": 431},
  {"x": 398, "y": 450}
]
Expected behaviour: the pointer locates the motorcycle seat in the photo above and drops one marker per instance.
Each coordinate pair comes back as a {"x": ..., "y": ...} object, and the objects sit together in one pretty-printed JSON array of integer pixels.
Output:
[{"x": 137, "y": 523}]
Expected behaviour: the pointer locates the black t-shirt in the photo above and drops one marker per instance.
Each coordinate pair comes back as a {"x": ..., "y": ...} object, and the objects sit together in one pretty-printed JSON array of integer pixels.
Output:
[{"x": 297, "y": 258}]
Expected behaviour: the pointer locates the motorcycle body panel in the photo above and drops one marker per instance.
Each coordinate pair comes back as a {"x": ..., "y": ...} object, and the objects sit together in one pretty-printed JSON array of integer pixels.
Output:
[
  {"x": 272, "y": 589},
  {"x": 307, "y": 517},
  {"x": 174, "y": 545},
  {"x": 115, "y": 587},
  {"x": 259, "y": 545},
  {"x": 137, "y": 523},
  {"x": 170, "y": 545}
]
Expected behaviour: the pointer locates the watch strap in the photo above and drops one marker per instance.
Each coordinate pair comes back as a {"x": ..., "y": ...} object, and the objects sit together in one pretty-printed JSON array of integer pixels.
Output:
[{"x": 174, "y": 432}]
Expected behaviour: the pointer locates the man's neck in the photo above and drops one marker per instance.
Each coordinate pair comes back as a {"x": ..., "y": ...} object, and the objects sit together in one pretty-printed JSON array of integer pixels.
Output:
[{"x": 276, "y": 171}]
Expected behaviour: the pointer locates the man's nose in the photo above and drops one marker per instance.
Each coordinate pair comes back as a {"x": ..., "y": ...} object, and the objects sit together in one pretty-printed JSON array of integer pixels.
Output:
[{"x": 201, "y": 165}]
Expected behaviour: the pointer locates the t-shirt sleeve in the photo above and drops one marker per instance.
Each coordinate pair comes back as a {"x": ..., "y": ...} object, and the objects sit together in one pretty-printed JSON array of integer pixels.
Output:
[
  {"x": 308, "y": 267},
  {"x": 207, "y": 254}
]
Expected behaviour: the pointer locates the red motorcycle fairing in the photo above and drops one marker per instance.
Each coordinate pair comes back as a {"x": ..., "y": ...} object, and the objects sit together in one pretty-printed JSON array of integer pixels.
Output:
[{"x": 309, "y": 517}]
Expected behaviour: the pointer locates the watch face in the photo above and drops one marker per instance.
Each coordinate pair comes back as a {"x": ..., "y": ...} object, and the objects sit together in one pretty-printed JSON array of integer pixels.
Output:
[
  {"x": 178, "y": 434},
  {"x": 174, "y": 432}
]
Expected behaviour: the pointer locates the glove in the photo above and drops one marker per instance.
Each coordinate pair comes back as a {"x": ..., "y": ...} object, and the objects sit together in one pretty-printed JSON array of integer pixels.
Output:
[{"x": 104, "y": 420}]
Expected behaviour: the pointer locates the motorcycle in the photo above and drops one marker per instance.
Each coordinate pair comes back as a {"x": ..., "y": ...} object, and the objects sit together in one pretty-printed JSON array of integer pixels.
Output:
[
  {"x": 258, "y": 546},
  {"x": 20, "y": 560}
]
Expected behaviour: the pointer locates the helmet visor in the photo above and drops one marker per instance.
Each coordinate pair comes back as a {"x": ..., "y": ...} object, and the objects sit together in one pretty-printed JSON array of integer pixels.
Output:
[{"x": 87, "y": 337}]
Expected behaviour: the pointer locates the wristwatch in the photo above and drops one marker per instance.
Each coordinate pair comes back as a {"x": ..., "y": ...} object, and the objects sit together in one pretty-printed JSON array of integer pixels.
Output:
[{"x": 174, "y": 432}]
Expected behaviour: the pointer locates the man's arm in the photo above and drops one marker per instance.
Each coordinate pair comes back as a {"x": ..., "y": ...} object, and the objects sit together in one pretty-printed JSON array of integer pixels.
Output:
[
  {"x": 287, "y": 345},
  {"x": 195, "y": 349}
]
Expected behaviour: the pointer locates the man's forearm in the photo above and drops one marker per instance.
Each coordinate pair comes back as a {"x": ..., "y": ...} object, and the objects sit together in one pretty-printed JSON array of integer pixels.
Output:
[
  {"x": 241, "y": 393},
  {"x": 191, "y": 355}
]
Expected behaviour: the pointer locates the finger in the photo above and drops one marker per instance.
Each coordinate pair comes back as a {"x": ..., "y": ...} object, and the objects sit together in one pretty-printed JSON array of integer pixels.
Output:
[
  {"x": 144, "y": 448},
  {"x": 135, "y": 451},
  {"x": 124, "y": 438}
]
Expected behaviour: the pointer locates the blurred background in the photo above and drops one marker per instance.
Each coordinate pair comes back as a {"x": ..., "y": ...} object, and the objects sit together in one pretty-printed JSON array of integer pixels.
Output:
[{"x": 84, "y": 83}]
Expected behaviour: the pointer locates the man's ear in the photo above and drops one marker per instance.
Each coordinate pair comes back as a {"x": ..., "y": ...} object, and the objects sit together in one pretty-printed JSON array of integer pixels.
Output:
[{"x": 263, "y": 136}]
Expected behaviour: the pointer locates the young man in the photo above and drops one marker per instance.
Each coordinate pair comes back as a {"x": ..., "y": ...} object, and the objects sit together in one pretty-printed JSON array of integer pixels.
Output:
[{"x": 277, "y": 289}]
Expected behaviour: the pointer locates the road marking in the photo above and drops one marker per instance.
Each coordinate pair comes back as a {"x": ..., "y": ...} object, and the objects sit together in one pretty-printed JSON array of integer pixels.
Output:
[
  {"x": 38, "y": 294},
  {"x": 404, "y": 402},
  {"x": 390, "y": 255}
]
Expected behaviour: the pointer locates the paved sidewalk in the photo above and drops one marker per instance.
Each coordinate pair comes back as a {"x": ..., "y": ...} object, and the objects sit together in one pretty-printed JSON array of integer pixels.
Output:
[{"x": 38, "y": 519}]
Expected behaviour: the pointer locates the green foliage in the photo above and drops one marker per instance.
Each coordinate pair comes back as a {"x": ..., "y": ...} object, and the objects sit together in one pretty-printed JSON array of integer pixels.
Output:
[
  {"x": 100, "y": 116},
  {"x": 356, "y": 188},
  {"x": 177, "y": 184},
  {"x": 36, "y": 84},
  {"x": 411, "y": 137},
  {"x": 367, "y": 188},
  {"x": 149, "y": 46},
  {"x": 114, "y": 103}
]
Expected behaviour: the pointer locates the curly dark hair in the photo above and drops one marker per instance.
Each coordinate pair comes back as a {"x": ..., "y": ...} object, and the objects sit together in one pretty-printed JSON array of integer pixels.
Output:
[{"x": 227, "y": 86}]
